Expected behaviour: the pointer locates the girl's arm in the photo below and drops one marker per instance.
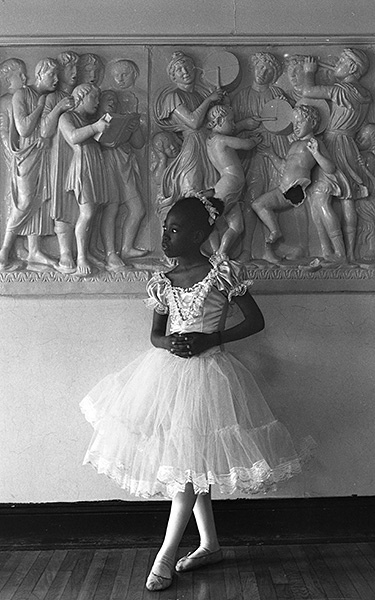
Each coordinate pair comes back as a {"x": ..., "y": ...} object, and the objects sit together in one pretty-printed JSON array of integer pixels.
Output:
[
  {"x": 158, "y": 329},
  {"x": 190, "y": 344},
  {"x": 242, "y": 143},
  {"x": 78, "y": 135},
  {"x": 51, "y": 115},
  {"x": 26, "y": 122},
  {"x": 321, "y": 156},
  {"x": 194, "y": 119},
  {"x": 309, "y": 89},
  {"x": 253, "y": 321}
]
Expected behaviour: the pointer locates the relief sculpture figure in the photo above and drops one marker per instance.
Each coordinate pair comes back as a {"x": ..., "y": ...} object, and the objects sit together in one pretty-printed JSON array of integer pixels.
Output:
[
  {"x": 123, "y": 181},
  {"x": 350, "y": 102},
  {"x": 304, "y": 153},
  {"x": 90, "y": 69},
  {"x": 166, "y": 146},
  {"x": 12, "y": 77},
  {"x": 365, "y": 141},
  {"x": 132, "y": 211},
  {"x": 222, "y": 147},
  {"x": 259, "y": 170},
  {"x": 30, "y": 213},
  {"x": 64, "y": 210},
  {"x": 87, "y": 176},
  {"x": 183, "y": 109}
]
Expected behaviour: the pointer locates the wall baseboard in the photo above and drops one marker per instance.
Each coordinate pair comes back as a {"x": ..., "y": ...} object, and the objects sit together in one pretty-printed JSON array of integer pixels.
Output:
[{"x": 114, "y": 524}]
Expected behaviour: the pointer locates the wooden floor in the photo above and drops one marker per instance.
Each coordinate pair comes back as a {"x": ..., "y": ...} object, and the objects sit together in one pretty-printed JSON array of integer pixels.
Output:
[{"x": 295, "y": 572}]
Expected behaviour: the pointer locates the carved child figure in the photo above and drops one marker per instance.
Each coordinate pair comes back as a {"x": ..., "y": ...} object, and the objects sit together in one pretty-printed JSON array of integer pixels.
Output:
[
  {"x": 64, "y": 210},
  {"x": 222, "y": 148},
  {"x": 87, "y": 175},
  {"x": 365, "y": 141},
  {"x": 31, "y": 190},
  {"x": 295, "y": 170},
  {"x": 349, "y": 104},
  {"x": 12, "y": 77}
]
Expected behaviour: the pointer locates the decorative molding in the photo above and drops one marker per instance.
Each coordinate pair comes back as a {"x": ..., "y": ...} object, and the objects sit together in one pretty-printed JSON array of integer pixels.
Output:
[
  {"x": 131, "y": 283},
  {"x": 205, "y": 40},
  {"x": 137, "y": 524}
]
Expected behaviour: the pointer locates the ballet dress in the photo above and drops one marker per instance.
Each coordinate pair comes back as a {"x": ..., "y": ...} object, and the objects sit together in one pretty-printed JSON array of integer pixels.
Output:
[{"x": 164, "y": 421}]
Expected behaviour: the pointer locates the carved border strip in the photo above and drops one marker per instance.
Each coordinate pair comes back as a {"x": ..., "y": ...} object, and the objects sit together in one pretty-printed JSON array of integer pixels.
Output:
[{"x": 207, "y": 40}]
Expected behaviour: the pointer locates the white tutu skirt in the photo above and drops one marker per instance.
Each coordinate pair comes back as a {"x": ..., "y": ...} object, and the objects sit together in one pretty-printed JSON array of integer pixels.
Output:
[{"x": 164, "y": 421}]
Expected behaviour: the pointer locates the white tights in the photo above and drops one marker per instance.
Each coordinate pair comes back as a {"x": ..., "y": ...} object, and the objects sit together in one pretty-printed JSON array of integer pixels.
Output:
[{"x": 183, "y": 504}]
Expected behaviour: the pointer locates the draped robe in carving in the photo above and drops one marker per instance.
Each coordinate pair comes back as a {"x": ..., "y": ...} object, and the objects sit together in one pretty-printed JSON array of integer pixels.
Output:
[
  {"x": 30, "y": 185},
  {"x": 260, "y": 172},
  {"x": 192, "y": 170}
]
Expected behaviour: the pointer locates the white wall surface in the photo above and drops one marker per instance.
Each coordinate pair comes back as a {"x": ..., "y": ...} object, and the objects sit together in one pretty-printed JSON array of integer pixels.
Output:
[{"x": 316, "y": 353}]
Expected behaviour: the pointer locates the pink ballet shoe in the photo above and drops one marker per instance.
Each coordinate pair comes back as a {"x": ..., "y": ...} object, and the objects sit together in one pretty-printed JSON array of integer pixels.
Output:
[
  {"x": 188, "y": 562},
  {"x": 155, "y": 583}
]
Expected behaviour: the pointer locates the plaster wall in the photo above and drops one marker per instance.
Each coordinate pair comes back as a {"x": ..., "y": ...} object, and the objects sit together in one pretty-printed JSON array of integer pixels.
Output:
[
  {"x": 316, "y": 354},
  {"x": 317, "y": 351},
  {"x": 186, "y": 17}
]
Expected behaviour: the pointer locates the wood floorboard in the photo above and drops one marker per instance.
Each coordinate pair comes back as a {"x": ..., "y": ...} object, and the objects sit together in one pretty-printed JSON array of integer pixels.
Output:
[
  {"x": 35, "y": 572},
  {"x": 331, "y": 555},
  {"x": 296, "y": 585},
  {"x": 323, "y": 572},
  {"x": 91, "y": 580},
  {"x": 247, "y": 576},
  {"x": 332, "y": 571},
  {"x": 48, "y": 575},
  {"x": 123, "y": 576},
  {"x": 360, "y": 578},
  {"x": 76, "y": 565},
  {"x": 22, "y": 567},
  {"x": 310, "y": 577},
  {"x": 108, "y": 575}
]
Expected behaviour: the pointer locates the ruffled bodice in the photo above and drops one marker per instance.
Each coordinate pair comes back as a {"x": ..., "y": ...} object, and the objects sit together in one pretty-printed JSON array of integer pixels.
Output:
[{"x": 203, "y": 306}]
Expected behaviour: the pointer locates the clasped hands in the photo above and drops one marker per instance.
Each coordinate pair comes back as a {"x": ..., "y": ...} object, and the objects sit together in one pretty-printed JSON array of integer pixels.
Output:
[{"x": 186, "y": 345}]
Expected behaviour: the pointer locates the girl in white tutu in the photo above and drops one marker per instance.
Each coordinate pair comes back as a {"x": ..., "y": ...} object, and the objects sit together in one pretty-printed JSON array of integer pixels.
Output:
[{"x": 187, "y": 414}]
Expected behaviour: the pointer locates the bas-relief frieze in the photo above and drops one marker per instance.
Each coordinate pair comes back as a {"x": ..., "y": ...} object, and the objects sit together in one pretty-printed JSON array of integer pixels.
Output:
[{"x": 97, "y": 142}]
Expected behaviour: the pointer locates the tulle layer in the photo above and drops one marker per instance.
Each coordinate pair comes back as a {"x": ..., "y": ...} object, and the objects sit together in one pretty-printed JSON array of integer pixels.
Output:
[{"x": 164, "y": 421}]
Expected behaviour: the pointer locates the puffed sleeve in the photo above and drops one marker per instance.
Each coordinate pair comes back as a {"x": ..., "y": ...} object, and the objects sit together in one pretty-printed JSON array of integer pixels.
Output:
[
  {"x": 157, "y": 292},
  {"x": 231, "y": 276}
]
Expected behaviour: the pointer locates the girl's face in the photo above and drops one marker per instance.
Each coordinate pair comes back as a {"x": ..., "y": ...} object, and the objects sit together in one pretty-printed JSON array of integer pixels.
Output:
[
  {"x": 178, "y": 235},
  {"x": 108, "y": 103},
  {"x": 17, "y": 79},
  {"x": 364, "y": 138},
  {"x": 123, "y": 75},
  {"x": 184, "y": 72},
  {"x": 68, "y": 74},
  {"x": 344, "y": 67},
  {"x": 295, "y": 74},
  {"x": 170, "y": 147},
  {"x": 263, "y": 73},
  {"x": 91, "y": 102},
  {"x": 301, "y": 126}
]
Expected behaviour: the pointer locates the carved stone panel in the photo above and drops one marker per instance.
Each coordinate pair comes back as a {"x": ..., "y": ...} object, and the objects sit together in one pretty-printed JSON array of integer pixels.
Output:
[{"x": 98, "y": 140}]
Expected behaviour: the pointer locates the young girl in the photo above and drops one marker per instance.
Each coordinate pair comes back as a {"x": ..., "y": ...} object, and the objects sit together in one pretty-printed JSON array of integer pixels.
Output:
[{"x": 187, "y": 414}]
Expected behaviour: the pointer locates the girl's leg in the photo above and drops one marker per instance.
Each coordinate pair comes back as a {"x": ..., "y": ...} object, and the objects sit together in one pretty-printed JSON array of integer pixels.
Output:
[
  {"x": 108, "y": 228},
  {"x": 82, "y": 231},
  {"x": 181, "y": 510},
  {"x": 235, "y": 225},
  {"x": 204, "y": 518},
  {"x": 209, "y": 551}
]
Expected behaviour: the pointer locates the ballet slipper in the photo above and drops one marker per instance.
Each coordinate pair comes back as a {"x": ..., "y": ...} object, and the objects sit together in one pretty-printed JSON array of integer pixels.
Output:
[
  {"x": 189, "y": 562},
  {"x": 155, "y": 582}
]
